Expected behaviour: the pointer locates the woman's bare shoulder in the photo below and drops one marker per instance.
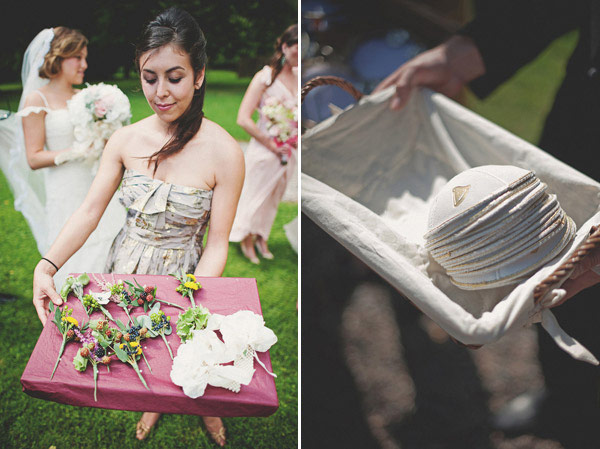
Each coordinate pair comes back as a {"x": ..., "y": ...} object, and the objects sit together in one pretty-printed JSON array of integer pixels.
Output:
[
  {"x": 219, "y": 140},
  {"x": 34, "y": 99},
  {"x": 120, "y": 141},
  {"x": 137, "y": 129}
]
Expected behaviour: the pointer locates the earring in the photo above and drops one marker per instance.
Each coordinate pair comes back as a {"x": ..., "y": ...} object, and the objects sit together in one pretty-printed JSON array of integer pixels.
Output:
[{"x": 283, "y": 60}]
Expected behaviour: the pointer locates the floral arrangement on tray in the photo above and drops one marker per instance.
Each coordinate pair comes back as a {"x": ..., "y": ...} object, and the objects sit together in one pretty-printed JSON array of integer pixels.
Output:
[
  {"x": 187, "y": 285},
  {"x": 216, "y": 350}
]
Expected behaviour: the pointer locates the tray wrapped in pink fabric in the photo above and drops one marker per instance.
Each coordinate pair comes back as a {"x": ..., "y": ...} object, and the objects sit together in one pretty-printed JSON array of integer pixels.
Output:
[{"x": 121, "y": 388}]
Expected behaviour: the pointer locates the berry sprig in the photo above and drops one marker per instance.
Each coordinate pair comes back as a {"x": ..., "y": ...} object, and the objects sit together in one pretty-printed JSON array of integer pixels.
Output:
[
  {"x": 67, "y": 326},
  {"x": 130, "y": 352},
  {"x": 92, "y": 351},
  {"x": 104, "y": 335},
  {"x": 134, "y": 334},
  {"x": 154, "y": 324},
  {"x": 91, "y": 304},
  {"x": 161, "y": 325},
  {"x": 146, "y": 296}
]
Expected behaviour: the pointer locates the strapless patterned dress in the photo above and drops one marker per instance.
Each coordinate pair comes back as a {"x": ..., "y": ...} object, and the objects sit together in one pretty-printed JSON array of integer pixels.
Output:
[{"x": 164, "y": 229}]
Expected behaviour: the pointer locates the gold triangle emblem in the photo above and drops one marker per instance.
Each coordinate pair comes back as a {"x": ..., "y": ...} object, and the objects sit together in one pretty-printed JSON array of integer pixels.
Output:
[{"x": 459, "y": 193}]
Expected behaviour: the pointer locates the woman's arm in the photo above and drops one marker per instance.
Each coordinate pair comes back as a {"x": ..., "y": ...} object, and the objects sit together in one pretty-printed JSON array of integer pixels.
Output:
[
  {"x": 229, "y": 179},
  {"x": 250, "y": 102},
  {"x": 79, "y": 227},
  {"x": 34, "y": 131}
]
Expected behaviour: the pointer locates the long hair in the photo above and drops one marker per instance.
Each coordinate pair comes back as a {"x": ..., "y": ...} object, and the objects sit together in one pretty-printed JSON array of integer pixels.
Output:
[
  {"x": 177, "y": 27},
  {"x": 65, "y": 44},
  {"x": 289, "y": 37}
]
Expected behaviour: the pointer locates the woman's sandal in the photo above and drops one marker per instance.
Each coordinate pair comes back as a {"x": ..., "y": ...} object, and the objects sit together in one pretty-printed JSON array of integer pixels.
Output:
[
  {"x": 248, "y": 255},
  {"x": 142, "y": 430},
  {"x": 218, "y": 436},
  {"x": 265, "y": 253}
]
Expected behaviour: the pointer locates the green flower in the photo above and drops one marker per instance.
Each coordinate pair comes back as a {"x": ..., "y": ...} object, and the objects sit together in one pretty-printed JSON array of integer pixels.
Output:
[{"x": 192, "y": 319}]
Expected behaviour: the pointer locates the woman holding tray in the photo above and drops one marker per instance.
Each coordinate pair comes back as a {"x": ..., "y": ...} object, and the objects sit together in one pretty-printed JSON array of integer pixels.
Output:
[{"x": 177, "y": 169}]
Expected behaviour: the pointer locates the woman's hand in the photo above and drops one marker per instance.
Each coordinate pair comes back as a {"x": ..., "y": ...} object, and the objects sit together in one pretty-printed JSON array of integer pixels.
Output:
[
  {"x": 272, "y": 146},
  {"x": 67, "y": 155},
  {"x": 43, "y": 290},
  {"x": 446, "y": 68},
  {"x": 583, "y": 277},
  {"x": 80, "y": 225}
]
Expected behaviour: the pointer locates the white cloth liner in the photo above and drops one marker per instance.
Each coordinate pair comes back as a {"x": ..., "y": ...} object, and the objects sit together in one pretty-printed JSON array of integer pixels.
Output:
[{"x": 370, "y": 175}]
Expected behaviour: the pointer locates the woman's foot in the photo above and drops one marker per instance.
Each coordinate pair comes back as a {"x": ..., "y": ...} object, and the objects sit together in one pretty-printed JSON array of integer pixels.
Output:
[
  {"x": 247, "y": 247},
  {"x": 215, "y": 429},
  {"x": 263, "y": 249},
  {"x": 145, "y": 424}
]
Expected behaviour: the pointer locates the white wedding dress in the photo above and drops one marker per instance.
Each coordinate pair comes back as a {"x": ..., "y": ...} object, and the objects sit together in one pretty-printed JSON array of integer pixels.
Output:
[{"x": 65, "y": 188}]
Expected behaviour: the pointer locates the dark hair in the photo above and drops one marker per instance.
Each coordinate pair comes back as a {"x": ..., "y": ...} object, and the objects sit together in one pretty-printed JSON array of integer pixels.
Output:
[
  {"x": 289, "y": 37},
  {"x": 66, "y": 43},
  {"x": 177, "y": 27}
]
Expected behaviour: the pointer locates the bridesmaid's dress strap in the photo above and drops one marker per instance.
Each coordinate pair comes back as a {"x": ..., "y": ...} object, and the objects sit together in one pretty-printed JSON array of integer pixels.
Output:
[{"x": 43, "y": 98}]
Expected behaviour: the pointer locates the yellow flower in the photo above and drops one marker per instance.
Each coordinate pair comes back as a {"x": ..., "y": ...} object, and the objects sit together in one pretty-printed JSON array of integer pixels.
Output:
[
  {"x": 192, "y": 285},
  {"x": 139, "y": 351},
  {"x": 71, "y": 320},
  {"x": 134, "y": 343},
  {"x": 192, "y": 277}
]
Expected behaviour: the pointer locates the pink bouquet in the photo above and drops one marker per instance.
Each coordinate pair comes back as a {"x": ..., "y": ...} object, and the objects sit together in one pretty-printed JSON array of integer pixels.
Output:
[{"x": 282, "y": 124}]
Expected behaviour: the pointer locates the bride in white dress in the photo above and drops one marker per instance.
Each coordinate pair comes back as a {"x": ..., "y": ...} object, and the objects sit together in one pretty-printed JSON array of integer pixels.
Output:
[{"x": 48, "y": 184}]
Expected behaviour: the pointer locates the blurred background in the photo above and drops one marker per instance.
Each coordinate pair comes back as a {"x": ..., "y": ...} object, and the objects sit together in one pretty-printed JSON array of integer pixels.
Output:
[
  {"x": 240, "y": 37},
  {"x": 375, "y": 371}
]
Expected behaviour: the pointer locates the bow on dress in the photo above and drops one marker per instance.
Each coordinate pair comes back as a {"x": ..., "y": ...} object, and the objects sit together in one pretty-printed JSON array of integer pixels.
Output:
[{"x": 153, "y": 203}]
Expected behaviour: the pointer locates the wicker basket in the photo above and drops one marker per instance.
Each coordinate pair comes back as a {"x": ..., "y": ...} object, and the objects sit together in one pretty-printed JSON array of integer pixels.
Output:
[{"x": 328, "y": 192}]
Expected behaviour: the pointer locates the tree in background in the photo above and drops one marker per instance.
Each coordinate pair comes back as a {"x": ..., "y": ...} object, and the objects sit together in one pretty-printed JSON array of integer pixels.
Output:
[{"x": 240, "y": 33}]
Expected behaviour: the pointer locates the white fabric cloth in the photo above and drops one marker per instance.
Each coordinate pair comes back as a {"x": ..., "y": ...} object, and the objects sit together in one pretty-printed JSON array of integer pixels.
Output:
[
  {"x": 27, "y": 185},
  {"x": 48, "y": 197},
  {"x": 370, "y": 175}
]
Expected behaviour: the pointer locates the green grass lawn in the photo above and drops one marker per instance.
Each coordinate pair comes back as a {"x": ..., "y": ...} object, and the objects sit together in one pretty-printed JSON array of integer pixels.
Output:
[
  {"x": 29, "y": 422},
  {"x": 224, "y": 93}
]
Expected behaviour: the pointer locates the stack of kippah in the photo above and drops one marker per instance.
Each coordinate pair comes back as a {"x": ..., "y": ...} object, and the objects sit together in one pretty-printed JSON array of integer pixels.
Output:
[{"x": 495, "y": 225}]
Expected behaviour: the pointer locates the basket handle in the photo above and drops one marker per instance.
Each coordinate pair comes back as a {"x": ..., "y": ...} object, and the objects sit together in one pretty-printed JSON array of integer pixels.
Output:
[
  {"x": 591, "y": 243},
  {"x": 330, "y": 80}
]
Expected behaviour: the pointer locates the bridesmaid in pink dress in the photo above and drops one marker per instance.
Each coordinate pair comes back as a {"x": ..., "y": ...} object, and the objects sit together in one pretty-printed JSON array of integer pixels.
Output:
[{"x": 267, "y": 173}]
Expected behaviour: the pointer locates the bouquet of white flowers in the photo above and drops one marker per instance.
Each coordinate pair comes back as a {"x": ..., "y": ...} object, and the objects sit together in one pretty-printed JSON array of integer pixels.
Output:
[
  {"x": 203, "y": 359},
  {"x": 283, "y": 123},
  {"x": 96, "y": 112}
]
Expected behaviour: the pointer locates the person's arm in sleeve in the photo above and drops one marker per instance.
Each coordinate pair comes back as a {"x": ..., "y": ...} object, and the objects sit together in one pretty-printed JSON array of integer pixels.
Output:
[
  {"x": 504, "y": 36},
  {"x": 511, "y": 33}
]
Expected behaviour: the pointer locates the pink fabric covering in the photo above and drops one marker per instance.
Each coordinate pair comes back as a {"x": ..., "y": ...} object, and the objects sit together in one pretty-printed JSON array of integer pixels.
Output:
[
  {"x": 266, "y": 179},
  {"x": 121, "y": 388}
]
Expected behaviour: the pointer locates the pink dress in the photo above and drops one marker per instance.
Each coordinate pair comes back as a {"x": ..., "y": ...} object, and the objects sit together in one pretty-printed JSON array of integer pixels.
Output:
[{"x": 266, "y": 178}]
